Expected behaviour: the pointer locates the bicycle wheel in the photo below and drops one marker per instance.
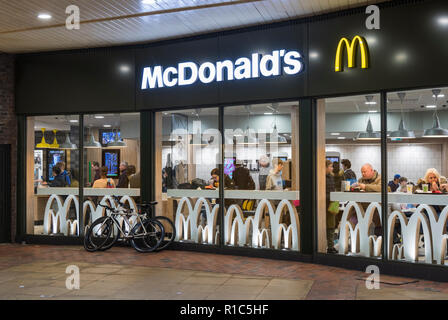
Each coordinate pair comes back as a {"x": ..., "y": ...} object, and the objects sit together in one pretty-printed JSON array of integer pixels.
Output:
[
  {"x": 170, "y": 231},
  {"x": 147, "y": 236},
  {"x": 101, "y": 235}
]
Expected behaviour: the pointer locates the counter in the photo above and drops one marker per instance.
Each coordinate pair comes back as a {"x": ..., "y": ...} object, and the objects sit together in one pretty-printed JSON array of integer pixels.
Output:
[
  {"x": 235, "y": 194},
  {"x": 48, "y": 191},
  {"x": 392, "y": 197}
]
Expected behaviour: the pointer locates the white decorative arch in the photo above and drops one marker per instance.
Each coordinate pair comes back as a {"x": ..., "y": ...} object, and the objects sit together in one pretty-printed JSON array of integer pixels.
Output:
[
  {"x": 361, "y": 241},
  {"x": 234, "y": 225},
  {"x": 438, "y": 230},
  {"x": 59, "y": 222},
  {"x": 410, "y": 234}
]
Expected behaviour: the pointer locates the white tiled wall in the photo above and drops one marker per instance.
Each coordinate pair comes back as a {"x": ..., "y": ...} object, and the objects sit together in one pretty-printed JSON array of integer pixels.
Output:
[{"x": 408, "y": 161}]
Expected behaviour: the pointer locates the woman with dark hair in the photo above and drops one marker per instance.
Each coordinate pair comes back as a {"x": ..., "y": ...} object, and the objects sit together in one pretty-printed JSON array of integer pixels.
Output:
[
  {"x": 348, "y": 172},
  {"x": 338, "y": 176},
  {"x": 103, "y": 181}
]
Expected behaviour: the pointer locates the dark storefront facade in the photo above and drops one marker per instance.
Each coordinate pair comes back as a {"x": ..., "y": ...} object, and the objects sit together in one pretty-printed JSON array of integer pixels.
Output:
[{"x": 242, "y": 102}]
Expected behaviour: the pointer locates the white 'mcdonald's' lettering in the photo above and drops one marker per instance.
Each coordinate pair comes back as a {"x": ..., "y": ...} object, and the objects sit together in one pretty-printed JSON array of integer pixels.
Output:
[{"x": 187, "y": 73}]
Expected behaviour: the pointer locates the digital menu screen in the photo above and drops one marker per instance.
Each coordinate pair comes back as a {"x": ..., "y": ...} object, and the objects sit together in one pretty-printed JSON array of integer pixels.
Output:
[{"x": 111, "y": 159}]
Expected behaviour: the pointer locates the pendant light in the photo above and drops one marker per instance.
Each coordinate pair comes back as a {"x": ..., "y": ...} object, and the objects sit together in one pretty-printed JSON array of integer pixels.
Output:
[
  {"x": 196, "y": 112},
  {"x": 436, "y": 131},
  {"x": 277, "y": 138},
  {"x": 369, "y": 134},
  {"x": 118, "y": 142},
  {"x": 55, "y": 144},
  {"x": 92, "y": 143},
  {"x": 43, "y": 143},
  {"x": 249, "y": 135},
  {"x": 68, "y": 144},
  {"x": 402, "y": 132}
]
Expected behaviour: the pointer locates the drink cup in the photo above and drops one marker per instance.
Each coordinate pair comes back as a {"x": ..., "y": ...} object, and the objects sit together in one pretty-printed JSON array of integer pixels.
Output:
[
  {"x": 425, "y": 187},
  {"x": 409, "y": 188}
]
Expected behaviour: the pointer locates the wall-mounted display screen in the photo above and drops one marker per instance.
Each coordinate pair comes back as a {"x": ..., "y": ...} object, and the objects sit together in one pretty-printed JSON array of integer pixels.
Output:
[
  {"x": 108, "y": 136},
  {"x": 53, "y": 157},
  {"x": 111, "y": 159},
  {"x": 229, "y": 166}
]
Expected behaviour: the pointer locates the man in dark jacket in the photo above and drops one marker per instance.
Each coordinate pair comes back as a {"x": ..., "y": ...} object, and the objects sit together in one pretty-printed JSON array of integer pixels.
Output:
[
  {"x": 59, "y": 180},
  {"x": 123, "y": 180},
  {"x": 242, "y": 178}
]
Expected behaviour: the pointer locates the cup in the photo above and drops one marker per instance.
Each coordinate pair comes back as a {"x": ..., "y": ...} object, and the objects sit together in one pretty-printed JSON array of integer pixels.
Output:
[
  {"x": 346, "y": 185},
  {"x": 409, "y": 188},
  {"x": 425, "y": 187}
]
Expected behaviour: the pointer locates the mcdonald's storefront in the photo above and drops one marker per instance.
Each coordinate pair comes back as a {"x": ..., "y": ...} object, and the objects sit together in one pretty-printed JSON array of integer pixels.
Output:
[{"x": 328, "y": 137}]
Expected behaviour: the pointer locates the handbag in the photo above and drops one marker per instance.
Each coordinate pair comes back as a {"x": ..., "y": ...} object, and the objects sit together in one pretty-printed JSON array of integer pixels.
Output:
[{"x": 334, "y": 207}]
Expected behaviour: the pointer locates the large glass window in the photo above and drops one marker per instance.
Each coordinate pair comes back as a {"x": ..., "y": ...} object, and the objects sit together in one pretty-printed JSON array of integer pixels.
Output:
[
  {"x": 349, "y": 175},
  {"x": 111, "y": 162},
  {"x": 52, "y": 166},
  {"x": 261, "y": 165},
  {"x": 417, "y": 155},
  {"x": 187, "y": 164}
]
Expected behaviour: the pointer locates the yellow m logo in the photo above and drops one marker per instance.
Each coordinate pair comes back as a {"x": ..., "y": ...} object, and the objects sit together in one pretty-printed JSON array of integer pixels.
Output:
[{"x": 351, "y": 49}]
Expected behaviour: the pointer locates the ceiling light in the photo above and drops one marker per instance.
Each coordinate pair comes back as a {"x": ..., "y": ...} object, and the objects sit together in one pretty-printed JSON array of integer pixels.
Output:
[
  {"x": 436, "y": 131},
  {"x": 402, "y": 132},
  {"x": 107, "y": 126},
  {"x": 443, "y": 21},
  {"x": 369, "y": 134},
  {"x": 314, "y": 55},
  {"x": 268, "y": 113},
  {"x": 43, "y": 143},
  {"x": 439, "y": 96},
  {"x": 373, "y": 111},
  {"x": 99, "y": 117},
  {"x": 74, "y": 121},
  {"x": 125, "y": 68},
  {"x": 118, "y": 142},
  {"x": 44, "y": 16},
  {"x": 370, "y": 102},
  {"x": 335, "y": 133},
  {"x": 341, "y": 138},
  {"x": 68, "y": 144},
  {"x": 431, "y": 106}
]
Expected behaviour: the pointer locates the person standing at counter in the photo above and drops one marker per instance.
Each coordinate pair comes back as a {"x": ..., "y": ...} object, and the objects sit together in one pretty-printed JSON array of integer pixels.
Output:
[
  {"x": 370, "y": 180},
  {"x": 274, "y": 180},
  {"x": 103, "y": 181},
  {"x": 348, "y": 172},
  {"x": 394, "y": 184},
  {"x": 330, "y": 217},
  {"x": 123, "y": 180},
  {"x": 96, "y": 169}
]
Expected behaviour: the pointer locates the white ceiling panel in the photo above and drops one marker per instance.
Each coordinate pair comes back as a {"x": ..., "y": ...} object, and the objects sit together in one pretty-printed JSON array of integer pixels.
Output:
[{"x": 121, "y": 22}]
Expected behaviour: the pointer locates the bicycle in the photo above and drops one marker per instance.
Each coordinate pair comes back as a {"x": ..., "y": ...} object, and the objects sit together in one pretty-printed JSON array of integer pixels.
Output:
[
  {"x": 145, "y": 236},
  {"x": 170, "y": 228}
]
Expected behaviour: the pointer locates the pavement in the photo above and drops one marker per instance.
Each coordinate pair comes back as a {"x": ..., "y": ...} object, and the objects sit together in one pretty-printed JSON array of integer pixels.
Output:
[{"x": 42, "y": 272}]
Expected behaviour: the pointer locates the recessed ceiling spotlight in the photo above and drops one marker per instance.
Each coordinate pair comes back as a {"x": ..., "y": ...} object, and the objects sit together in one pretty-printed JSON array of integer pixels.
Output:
[
  {"x": 125, "y": 68},
  {"x": 443, "y": 21},
  {"x": 44, "y": 16}
]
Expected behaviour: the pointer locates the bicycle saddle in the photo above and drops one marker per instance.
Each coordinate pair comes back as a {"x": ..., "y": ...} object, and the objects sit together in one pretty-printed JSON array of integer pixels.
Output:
[{"x": 148, "y": 204}]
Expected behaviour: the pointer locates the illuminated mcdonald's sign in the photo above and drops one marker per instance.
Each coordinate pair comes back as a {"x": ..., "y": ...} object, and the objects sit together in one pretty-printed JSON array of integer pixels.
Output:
[{"x": 351, "y": 49}]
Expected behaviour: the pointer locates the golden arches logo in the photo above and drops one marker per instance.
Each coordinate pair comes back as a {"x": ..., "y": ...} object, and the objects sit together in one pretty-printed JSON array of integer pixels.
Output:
[{"x": 351, "y": 49}]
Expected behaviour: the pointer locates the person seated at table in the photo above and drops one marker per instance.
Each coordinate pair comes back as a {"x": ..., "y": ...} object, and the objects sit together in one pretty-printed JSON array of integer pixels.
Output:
[
  {"x": 370, "y": 180},
  {"x": 214, "y": 181},
  {"x": 242, "y": 179},
  {"x": 394, "y": 184},
  {"x": 434, "y": 180},
  {"x": 104, "y": 181},
  {"x": 64, "y": 173},
  {"x": 402, "y": 184},
  {"x": 59, "y": 179},
  {"x": 274, "y": 180},
  {"x": 348, "y": 172}
]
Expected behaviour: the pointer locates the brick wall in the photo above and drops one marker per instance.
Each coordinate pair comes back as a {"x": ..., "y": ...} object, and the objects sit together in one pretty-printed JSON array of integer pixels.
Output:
[{"x": 8, "y": 125}]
